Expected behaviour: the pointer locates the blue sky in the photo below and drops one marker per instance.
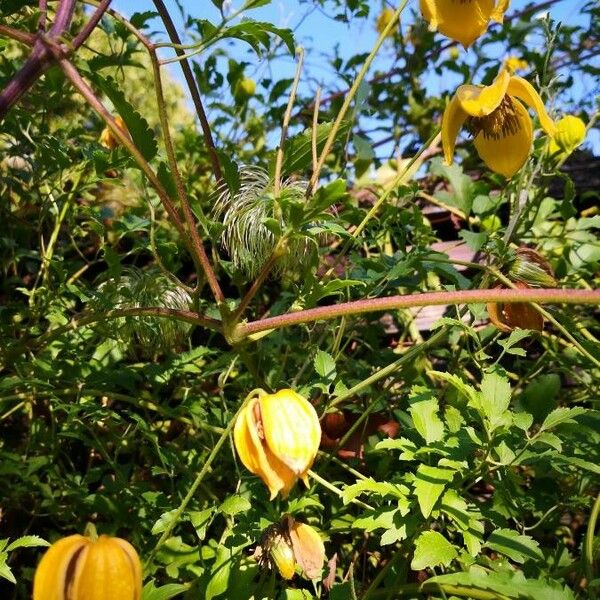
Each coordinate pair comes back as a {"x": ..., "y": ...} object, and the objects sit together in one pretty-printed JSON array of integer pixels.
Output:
[{"x": 321, "y": 34}]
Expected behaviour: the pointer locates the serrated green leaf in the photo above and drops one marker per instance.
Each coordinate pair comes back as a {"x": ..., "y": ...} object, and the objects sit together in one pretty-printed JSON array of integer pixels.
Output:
[
  {"x": 426, "y": 420},
  {"x": 495, "y": 396},
  {"x": 561, "y": 415},
  {"x": 164, "y": 592},
  {"x": 233, "y": 505},
  {"x": 325, "y": 365},
  {"x": 517, "y": 547},
  {"x": 382, "y": 488},
  {"x": 431, "y": 550},
  {"x": 164, "y": 521},
  {"x": 141, "y": 134},
  {"x": 27, "y": 541},
  {"x": 429, "y": 484}
]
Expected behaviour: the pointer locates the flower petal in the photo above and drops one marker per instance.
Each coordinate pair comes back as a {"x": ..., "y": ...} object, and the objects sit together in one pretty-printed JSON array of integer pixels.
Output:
[
  {"x": 480, "y": 101},
  {"x": 452, "y": 121},
  {"x": 309, "y": 550},
  {"x": 507, "y": 153},
  {"x": 51, "y": 574},
  {"x": 460, "y": 21},
  {"x": 498, "y": 12},
  {"x": 522, "y": 89},
  {"x": 257, "y": 457},
  {"x": 107, "y": 573},
  {"x": 292, "y": 429}
]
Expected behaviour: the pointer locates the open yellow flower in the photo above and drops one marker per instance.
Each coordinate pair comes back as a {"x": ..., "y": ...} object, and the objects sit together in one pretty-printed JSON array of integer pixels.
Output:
[
  {"x": 462, "y": 20},
  {"x": 277, "y": 437},
  {"x": 500, "y": 124}
]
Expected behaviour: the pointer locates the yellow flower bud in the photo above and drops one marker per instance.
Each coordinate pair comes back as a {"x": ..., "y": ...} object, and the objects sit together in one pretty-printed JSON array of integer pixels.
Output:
[
  {"x": 245, "y": 88},
  {"x": 83, "y": 568},
  {"x": 384, "y": 19},
  {"x": 108, "y": 138},
  {"x": 513, "y": 64},
  {"x": 277, "y": 437},
  {"x": 570, "y": 133}
]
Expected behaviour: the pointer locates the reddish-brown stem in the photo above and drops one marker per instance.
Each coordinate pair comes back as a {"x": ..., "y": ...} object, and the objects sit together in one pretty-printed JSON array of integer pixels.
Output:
[
  {"x": 18, "y": 35},
  {"x": 323, "y": 313},
  {"x": 87, "y": 29},
  {"x": 159, "y": 311},
  {"x": 195, "y": 93},
  {"x": 85, "y": 90},
  {"x": 196, "y": 240}
]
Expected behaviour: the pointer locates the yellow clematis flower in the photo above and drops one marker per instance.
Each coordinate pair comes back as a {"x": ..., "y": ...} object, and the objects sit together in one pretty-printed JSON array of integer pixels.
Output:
[
  {"x": 78, "y": 567},
  {"x": 383, "y": 20},
  {"x": 277, "y": 437},
  {"x": 570, "y": 134},
  {"x": 462, "y": 20},
  {"x": 500, "y": 124}
]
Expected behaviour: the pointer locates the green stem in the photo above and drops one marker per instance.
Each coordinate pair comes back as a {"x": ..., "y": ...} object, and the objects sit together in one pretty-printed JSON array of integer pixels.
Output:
[
  {"x": 286, "y": 122},
  {"x": 199, "y": 478},
  {"x": 336, "y": 490},
  {"x": 202, "y": 262},
  {"x": 589, "y": 545},
  {"x": 348, "y": 99}
]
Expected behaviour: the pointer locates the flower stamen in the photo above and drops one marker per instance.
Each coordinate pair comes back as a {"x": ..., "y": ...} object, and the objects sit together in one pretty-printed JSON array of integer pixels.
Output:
[{"x": 500, "y": 123}]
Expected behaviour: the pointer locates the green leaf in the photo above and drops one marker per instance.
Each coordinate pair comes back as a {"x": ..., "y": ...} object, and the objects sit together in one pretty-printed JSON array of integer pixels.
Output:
[
  {"x": 382, "y": 488},
  {"x": 514, "y": 338},
  {"x": 470, "y": 393},
  {"x": 431, "y": 550},
  {"x": 517, "y": 547},
  {"x": 28, "y": 541},
  {"x": 164, "y": 592},
  {"x": 164, "y": 521},
  {"x": 539, "y": 397},
  {"x": 325, "y": 365},
  {"x": 561, "y": 415},
  {"x": 426, "y": 420},
  {"x": 495, "y": 397},
  {"x": 200, "y": 520},
  {"x": 234, "y": 505},
  {"x": 462, "y": 186},
  {"x": 511, "y": 584},
  {"x": 297, "y": 150},
  {"x": 141, "y": 133},
  {"x": 429, "y": 484},
  {"x": 475, "y": 240}
]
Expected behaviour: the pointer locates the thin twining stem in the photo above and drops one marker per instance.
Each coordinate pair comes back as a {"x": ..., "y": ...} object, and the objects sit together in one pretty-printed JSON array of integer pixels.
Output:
[
  {"x": 348, "y": 100},
  {"x": 323, "y": 313},
  {"x": 193, "y": 87},
  {"x": 286, "y": 122},
  {"x": 174, "y": 520},
  {"x": 196, "y": 245}
]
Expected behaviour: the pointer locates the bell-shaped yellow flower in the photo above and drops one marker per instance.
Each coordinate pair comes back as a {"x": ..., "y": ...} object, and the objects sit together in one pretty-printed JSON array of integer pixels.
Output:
[
  {"x": 500, "y": 124},
  {"x": 277, "y": 437},
  {"x": 462, "y": 20},
  {"x": 570, "y": 134},
  {"x": 84, "y": 568}
]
